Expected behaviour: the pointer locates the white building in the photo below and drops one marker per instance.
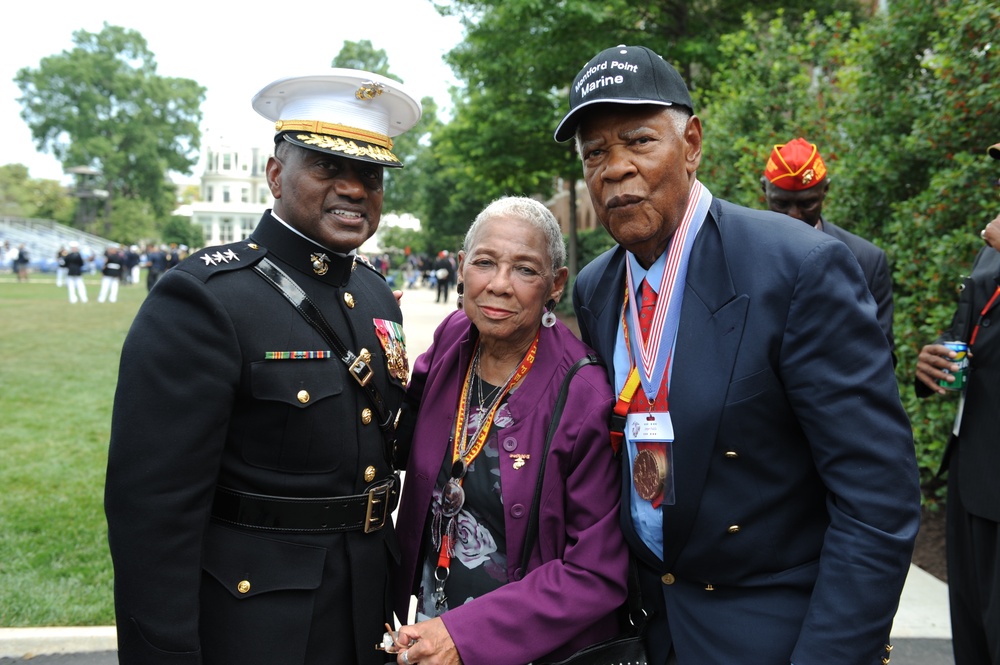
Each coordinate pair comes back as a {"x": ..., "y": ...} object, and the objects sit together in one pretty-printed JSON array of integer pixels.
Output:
[{"x": 234, "y": 193}]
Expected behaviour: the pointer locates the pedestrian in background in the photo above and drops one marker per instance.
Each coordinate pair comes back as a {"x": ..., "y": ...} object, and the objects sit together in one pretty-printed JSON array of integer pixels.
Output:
[
  {"x": 972, "y": 457},
  {"x": 795, "y": 183},
  {"x": 74, "y": 274},
  {"x": 111, "y": 274},
  {"x": 61, "y": 267}
]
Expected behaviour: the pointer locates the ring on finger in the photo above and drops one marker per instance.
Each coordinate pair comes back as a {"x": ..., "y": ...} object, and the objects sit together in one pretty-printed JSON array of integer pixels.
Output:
[{"x": 406, "y": 656}]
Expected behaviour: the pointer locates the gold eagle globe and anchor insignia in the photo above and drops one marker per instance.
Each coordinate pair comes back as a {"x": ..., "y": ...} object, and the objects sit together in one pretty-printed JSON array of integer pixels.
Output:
[
  {"x": 320, "y": 263},
  {"x": 369, "y": 90}
]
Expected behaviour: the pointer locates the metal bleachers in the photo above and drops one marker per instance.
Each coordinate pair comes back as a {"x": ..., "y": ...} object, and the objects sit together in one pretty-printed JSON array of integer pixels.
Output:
[{"x": 43, "y": 238}]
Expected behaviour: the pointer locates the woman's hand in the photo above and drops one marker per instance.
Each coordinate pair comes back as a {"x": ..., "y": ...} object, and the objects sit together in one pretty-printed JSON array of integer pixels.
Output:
[{"x": 427, "y": 643}]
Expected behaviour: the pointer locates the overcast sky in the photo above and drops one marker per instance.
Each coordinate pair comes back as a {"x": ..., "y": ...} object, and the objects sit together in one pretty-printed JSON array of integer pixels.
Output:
[{"x": 233, "y": 50}]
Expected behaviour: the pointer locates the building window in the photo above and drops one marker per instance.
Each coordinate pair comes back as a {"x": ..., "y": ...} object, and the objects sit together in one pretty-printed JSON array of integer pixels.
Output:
[
  {"x": 225, "y": 193},
  {"x": 210, "y": 193},
  {"x": 245, "y": 194},
  {"x": 265, "y": 194},
  {"x": 227, "y": 161},
  {"x": 247, "y": 224},
  {"x": 226, "y": 229}
]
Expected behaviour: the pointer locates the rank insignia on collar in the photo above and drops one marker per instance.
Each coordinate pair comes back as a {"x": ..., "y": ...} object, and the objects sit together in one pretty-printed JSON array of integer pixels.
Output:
[
  {"x": 390, "y": 336},
  {"x": 320, "y": 263}
]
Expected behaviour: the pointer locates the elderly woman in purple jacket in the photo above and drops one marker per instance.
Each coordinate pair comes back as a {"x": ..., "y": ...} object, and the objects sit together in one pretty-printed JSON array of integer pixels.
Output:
[{"x": 484, "y": 394}]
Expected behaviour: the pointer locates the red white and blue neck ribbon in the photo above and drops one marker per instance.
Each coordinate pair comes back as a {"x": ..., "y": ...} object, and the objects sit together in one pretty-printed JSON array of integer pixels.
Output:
[{"x": 652, "y": 356}]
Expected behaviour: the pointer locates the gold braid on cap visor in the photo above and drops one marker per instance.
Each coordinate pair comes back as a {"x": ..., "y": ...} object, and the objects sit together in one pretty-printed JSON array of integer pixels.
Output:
[{"x": 330, "y": 136}]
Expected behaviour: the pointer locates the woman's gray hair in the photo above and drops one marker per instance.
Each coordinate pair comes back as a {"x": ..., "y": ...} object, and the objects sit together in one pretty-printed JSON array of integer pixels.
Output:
[{"x": 530, "y": 211}]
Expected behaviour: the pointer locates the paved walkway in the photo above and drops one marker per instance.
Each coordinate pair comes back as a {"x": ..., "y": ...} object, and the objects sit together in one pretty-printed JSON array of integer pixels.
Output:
[{"x": 921, "y": 633}]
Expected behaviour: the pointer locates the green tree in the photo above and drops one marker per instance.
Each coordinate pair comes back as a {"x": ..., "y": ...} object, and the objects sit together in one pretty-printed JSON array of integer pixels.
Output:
[
  {"x": 519, "y": 57},
  {"x": 132, "y": 220},
  {"x": 103, "y": 105},
  {"x": 776, "y": 87},
  {"x": 180, "y": 230},
  {"x": 902, "y": 107},
  {"x": 402, "y": 186},
  {"x": 23, "y": 196},
  {"x": 926, "y": 184}
]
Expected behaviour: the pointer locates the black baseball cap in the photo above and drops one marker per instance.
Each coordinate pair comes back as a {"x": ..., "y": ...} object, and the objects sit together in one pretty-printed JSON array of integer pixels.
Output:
[{"x": 623, "y": 75}]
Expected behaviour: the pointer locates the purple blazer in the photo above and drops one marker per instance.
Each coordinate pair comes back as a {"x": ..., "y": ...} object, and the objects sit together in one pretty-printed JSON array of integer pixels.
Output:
[{"x": 576, "y": 575}]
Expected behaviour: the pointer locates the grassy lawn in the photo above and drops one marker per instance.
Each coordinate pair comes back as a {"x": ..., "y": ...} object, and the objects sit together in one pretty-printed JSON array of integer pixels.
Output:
[{"x": 57, "y": 380}]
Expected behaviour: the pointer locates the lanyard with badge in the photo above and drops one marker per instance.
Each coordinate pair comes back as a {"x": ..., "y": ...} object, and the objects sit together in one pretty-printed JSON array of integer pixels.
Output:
[
  {"x": 651, "y": 431},
  {"x": 464, "y": 451}
]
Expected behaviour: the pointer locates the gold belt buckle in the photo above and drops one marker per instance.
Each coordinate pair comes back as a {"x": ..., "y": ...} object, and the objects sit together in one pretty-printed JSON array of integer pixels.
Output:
[
  {"x": 360, "y": 366},
  {"x": 377, "y": 495}
]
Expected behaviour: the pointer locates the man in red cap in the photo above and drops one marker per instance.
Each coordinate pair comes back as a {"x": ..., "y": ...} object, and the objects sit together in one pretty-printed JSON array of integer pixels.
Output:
[
  {"x": 795, "y": 182},
  {"x": 972, "y": 456}
]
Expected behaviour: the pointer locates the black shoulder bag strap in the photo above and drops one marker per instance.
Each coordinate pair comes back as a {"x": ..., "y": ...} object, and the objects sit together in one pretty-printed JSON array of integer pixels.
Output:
[
  {"x": 357, "y": 364},
  {"x": 636, "y": 614}
]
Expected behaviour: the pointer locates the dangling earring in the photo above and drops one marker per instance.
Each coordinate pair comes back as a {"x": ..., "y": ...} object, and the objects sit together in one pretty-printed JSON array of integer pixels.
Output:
[
  {"x": 460, "y": 288},
  {"x": 548, "y": 318}
]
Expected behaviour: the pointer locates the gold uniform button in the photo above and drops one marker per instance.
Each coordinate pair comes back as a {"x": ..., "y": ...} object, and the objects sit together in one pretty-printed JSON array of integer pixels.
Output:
[
  {"x": 349, "y": 299},
  {"x": 668, "y": 578},
  {"x": 253, "y": 245},
  {"x": 709, "y": 587},
  {"x": 734, "y": 528},
  {"x": 732, "y": 454},
  {"x": 243, "y": 587},
  {"x": 303, "y": 396},
  {"x": 369, "y": 474},
  {"x": 366, "y": 415}
]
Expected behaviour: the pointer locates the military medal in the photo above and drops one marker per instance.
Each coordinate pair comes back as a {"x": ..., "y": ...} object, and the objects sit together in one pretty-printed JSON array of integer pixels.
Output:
[
  {"x": 649, "y": 472},
  {"x": 393, "y": 341}
]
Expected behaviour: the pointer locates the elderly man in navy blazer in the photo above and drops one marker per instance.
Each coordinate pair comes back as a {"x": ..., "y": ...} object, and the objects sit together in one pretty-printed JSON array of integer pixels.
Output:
[
  {"x": 796, "y": 182},
  {"x": 771, "y": 495}
]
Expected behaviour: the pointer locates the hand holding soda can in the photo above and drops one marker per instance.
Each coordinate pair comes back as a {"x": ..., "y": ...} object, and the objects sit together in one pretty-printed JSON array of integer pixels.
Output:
[{"x": 961, "y": 359}]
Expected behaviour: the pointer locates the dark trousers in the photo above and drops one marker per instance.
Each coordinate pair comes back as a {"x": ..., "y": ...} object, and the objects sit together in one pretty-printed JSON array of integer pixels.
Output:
[
  {"x": 442, "y": 291},
  {"x": 973, "y": 546}
]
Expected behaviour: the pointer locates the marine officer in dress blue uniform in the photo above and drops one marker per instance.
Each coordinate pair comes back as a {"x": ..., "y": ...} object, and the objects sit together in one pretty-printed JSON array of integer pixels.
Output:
[{"x": 250, "y": 484}]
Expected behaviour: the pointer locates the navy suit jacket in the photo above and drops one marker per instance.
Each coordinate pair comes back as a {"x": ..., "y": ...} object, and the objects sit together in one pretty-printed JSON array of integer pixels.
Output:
[
  {"x": 797, "y": 496},
  {"x": 875, "y": 266}
]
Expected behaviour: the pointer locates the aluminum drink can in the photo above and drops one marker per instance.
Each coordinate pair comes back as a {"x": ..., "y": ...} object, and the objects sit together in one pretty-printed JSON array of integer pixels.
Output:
[{"x": 961, "y": 359}]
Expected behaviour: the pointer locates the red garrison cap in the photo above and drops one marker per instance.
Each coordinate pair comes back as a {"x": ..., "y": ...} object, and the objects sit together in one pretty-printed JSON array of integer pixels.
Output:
[{"x": 795, "y": 166}]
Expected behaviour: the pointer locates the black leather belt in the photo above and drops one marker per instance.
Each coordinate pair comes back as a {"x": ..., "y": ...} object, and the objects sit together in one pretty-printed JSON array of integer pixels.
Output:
[{"x": 361, "y": 512}]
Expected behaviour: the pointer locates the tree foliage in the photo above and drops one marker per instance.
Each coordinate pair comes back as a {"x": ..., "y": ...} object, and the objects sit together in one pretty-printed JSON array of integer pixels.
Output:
[
  {"x": 22, "y": 196},
  {"x": 102, "y": 105},
  {"x": 902, "y": 108},
  {"x": 403, "y": 187}
]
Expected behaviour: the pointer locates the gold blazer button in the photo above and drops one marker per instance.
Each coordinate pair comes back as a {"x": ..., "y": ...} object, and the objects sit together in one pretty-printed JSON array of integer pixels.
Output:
[
  {"x": 243, "y": 587},
  {"x": 303, "y": 396}
]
